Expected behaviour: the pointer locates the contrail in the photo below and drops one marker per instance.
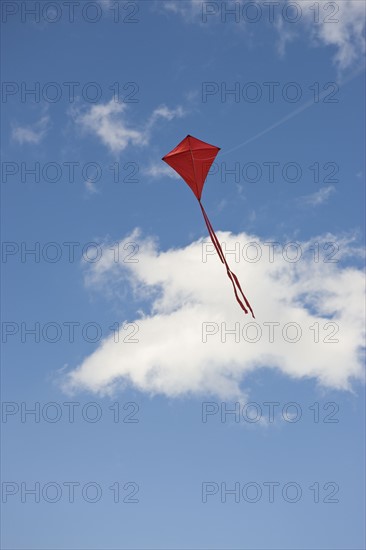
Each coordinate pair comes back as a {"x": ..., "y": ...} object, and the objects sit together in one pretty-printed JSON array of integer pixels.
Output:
[{"x": 292, "y": 114}]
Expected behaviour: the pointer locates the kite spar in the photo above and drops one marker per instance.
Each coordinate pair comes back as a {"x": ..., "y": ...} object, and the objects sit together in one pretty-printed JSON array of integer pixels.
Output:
[{"x": 192, "y": 159}]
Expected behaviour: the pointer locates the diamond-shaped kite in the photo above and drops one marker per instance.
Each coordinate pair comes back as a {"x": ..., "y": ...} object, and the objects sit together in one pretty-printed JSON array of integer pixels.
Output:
[{"x": 192, "y": 159}]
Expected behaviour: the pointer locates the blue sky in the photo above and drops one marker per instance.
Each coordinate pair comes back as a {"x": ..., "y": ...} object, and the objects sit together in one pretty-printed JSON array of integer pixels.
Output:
[{"x": 130, "y": 308}]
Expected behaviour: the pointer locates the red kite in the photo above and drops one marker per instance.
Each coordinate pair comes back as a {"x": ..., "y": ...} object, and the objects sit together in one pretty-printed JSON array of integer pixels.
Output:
[{"x": 192, "y": 159}]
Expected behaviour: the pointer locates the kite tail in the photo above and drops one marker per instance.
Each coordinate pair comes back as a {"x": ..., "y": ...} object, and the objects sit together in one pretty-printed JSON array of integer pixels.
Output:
[{"x": 233, "y": 278}]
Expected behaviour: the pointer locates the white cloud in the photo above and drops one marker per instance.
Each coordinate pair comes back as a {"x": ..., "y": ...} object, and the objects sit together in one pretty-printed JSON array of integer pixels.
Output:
[
  {"x": 170, "y": 357},
  {"x": 165, "y": 113},
  {"x": 32, "y": 133},
  {"x": 341, "y": 24},
  {"x": 319, "y": 197},
  {"x": 91, "y": 187},
  {"x": 109, "y": 122},
  {"x": 156, "y": 170},
  {"x": 286, "y": 35},
  {"x": 188, "y": 9}
]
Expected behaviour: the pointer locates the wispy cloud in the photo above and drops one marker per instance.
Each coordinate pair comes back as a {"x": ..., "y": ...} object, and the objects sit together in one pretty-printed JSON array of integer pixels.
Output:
[
  {"x": 317, "y": 198},
  {"x": 91, "y": 187},
  {"x": 165, "y": 113},
  {"x": 109, "y": 122},
  {"x": 286, "y": 35},
  {"x": 170, "y": 356},
  {"x": 31, "y": 133},
  {"x": 340, "y": 24},
  {"x": 156, "y": 170},
  {"x": 190, "y": 9}
]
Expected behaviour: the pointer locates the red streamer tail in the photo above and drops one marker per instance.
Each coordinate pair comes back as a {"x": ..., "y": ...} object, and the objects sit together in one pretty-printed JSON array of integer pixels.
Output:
[{"x": 233, "y": 278}]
